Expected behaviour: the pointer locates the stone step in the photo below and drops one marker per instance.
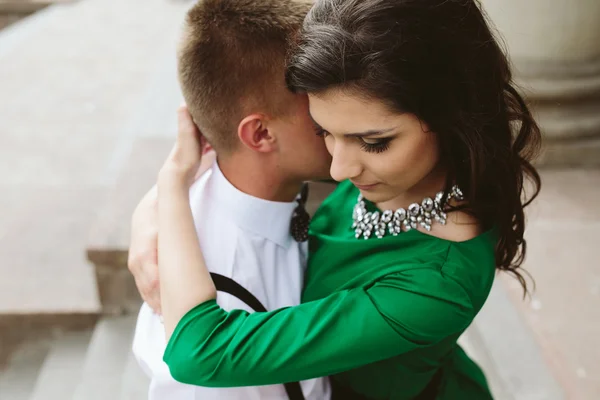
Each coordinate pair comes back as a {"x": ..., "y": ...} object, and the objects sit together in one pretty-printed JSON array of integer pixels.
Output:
[
  {"x": 8, "y": 19},
  {"x": 26, "y": 6},
  {"x": 107, "y": 360},
  {"x": 12, "y": 11},
  {"x": 473, "y": 345},
  {"x": 62, "y": 367},
  {"x": 18, "y": 379},
  {"x": 108, "y": 239}
]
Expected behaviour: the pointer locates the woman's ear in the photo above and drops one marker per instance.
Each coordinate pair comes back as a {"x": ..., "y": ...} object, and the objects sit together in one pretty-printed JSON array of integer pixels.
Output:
[{"x": 254, "y": 133}]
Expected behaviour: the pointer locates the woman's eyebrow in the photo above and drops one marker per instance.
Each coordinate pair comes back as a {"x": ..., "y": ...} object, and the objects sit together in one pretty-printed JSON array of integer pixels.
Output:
[
  {"x": 368, "y": 133},
  {"x": 372, "y": 132},
  {"x": 313, "y": 120}
]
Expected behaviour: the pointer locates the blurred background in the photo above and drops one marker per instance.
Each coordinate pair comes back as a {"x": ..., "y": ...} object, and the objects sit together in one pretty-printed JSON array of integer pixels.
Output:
[{"x": 88, "y": 94}]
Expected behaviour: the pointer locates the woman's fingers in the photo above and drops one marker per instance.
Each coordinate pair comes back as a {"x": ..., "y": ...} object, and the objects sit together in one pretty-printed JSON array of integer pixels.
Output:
[
  {"x": 189, "y": 139},
  {"x": 185, "y": 157}
]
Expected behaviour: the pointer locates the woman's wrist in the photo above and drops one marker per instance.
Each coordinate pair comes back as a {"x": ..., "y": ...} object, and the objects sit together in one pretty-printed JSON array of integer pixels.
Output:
[{"x": 172, "y": 177}]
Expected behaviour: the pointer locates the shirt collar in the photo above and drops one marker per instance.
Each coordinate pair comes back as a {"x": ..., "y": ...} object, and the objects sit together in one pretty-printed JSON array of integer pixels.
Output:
[{"x": 269, "y": 219}]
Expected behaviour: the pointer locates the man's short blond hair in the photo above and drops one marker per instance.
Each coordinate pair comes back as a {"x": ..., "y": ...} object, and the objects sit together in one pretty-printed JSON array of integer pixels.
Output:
[{"x": 231, "y": 62}]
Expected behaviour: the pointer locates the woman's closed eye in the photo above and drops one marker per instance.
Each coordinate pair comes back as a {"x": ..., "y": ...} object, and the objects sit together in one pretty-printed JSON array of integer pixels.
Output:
[
  {"x": 375, "y": 145},
  {"x": 368, "y": 145}
]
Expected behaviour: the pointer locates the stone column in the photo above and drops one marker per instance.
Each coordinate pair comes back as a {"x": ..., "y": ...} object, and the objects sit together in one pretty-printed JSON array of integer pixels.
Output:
[{"x": 554, "y": 46}]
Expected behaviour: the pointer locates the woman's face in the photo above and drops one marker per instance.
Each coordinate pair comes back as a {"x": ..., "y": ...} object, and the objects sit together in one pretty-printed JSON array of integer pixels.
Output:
[{"x": 384, "y": 154}]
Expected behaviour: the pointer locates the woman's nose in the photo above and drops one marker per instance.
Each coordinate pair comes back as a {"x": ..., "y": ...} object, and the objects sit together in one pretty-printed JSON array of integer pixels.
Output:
[{"x": 345, "y": 163}]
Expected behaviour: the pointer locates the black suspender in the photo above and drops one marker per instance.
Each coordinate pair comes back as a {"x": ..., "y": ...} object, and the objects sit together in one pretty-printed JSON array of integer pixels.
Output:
[{"x": 228, "y": 285}]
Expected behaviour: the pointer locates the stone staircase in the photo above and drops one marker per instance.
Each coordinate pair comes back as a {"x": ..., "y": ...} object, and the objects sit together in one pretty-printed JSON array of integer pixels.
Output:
[
  {"x": 95, "y": 362},
  {"x": 81, "y": 140},
  {"x": 84, "y": 85},
  {"x": 75, "y": 366}
]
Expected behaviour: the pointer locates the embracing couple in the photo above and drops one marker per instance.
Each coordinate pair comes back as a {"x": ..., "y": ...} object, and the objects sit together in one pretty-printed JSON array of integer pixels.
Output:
[{"x": 410, "y": 106}]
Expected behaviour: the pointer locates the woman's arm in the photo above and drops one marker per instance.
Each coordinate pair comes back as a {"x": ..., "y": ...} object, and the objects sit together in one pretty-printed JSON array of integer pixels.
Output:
[
  {"x": 189, "y": 283},
  {"x": 348, "y": 329},
  {"x": 185, "y": 280}
]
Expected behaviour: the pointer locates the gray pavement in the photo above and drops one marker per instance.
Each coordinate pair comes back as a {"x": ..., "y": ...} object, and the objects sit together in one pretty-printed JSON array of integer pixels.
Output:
[{"x": 563, "y": 312}]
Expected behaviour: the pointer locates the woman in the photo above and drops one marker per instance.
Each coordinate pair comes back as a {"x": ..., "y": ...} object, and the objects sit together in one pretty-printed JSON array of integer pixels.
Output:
[{"x": 431, "y": 144}]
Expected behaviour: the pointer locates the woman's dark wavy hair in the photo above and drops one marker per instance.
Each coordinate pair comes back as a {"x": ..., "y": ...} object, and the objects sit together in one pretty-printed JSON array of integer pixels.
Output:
[{"x": 438, "y": 60}]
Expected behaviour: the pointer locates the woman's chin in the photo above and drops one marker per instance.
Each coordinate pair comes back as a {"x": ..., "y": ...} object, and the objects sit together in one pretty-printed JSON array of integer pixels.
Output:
[{"x": 374, "y": 196}]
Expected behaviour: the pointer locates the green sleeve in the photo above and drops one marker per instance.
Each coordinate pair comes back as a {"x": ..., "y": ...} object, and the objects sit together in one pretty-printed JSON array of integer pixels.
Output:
[{"x": 214, "y": 348}]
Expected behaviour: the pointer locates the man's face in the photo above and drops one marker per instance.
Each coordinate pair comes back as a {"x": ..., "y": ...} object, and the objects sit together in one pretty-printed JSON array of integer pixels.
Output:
[{"x": 303, "y": 154}]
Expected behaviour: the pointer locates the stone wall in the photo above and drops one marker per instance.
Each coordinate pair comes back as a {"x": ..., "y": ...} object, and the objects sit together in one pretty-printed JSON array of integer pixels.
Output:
[{"x": 555, "y": 49}]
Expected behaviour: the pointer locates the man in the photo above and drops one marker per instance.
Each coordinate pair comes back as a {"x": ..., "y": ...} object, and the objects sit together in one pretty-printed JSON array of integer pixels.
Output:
[{"x": 231, "y": 69}]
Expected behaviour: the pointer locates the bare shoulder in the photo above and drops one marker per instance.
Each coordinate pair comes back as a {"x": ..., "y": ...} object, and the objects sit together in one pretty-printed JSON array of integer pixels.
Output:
[{"x": 460, "y": 227}]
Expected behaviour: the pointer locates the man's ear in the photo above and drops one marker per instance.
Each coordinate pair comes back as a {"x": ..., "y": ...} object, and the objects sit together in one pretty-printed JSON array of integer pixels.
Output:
[{"x": 254, "y": 133}]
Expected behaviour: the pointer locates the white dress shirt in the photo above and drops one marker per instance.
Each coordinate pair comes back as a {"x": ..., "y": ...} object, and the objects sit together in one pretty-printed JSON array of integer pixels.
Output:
[{"x": 246, "y": 239}]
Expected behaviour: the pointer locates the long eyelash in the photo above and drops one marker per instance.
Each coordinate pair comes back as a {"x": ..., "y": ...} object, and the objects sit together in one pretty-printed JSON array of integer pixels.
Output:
[
  {"x": 320, "y": 131},
  {"x": 379, "y": 147}
]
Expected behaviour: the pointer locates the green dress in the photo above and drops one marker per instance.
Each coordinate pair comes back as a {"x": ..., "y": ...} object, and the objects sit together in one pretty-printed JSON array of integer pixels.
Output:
[{"x": 380, "y": 316}]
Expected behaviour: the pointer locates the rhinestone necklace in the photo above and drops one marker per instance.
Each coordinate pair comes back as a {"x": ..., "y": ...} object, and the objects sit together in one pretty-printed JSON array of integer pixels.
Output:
[{"x": 365, "y": 223}]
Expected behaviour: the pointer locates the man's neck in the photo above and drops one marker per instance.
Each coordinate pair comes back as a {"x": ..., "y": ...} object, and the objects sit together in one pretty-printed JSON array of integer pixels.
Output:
[{"x": 258, "y": 179}]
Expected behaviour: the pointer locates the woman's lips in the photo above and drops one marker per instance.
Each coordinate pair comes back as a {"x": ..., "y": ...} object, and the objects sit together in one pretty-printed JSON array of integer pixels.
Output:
[{"x": 365, "y": 187}]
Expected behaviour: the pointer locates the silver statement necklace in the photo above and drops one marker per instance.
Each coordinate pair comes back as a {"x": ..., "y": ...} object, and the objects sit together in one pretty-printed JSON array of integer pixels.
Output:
[{"x": 365, "y": 223}]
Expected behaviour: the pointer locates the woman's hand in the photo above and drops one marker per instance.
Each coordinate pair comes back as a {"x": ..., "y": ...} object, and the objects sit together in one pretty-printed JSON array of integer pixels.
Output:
[{"x": 183, "y": 162}]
